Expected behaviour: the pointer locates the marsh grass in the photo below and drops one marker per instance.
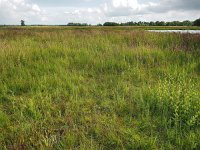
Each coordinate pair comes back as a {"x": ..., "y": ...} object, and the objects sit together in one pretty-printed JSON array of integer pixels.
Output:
[{"x": 98, "y": 89}]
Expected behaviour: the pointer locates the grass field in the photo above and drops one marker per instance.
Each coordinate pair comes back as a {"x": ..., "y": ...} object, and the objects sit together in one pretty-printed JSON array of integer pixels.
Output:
[{"x": 102, "y": 88}]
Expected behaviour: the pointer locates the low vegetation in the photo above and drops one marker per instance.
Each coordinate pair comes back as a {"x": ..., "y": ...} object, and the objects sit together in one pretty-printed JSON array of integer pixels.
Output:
[{"x": 81, "y": 88}]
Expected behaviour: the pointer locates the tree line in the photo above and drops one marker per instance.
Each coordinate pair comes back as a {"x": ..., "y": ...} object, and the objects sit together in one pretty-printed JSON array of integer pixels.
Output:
[
  {"x": 141, "y": 23},
  {"x": 157, "y": 23}
]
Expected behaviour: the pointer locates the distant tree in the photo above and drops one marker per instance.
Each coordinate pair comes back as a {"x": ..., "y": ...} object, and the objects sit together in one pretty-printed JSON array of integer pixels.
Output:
[
  {"x": 168, "y": 23},
  {"x": 176, "y": 23},
  {"x": 129, "y": 23},
  {"x": 157, "y": 23},
  {"x": 187, "y": 23},
  {"x": 22, "y": 23},
  {"x": 146, "y": 23},
  {"x": 197, "y": 22},
  {"x": 140, "y": 23},
  {"x": 77, "y": 24},
  {"x": 110, "y": 24},
  {"x": 160, "y": 23},
  {"x": 85, "y": 24},
  {"x": 152, "y": 23}
]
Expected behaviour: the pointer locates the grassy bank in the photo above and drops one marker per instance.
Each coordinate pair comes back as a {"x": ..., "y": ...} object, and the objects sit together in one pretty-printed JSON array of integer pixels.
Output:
[{"x": 98, "y": 89}]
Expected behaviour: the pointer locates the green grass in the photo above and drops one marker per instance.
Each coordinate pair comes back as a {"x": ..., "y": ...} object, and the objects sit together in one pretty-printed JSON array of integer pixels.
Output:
[{"x": 71, "y": 88}]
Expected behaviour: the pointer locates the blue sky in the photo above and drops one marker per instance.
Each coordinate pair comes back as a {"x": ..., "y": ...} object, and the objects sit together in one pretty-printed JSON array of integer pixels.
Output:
[{"x": 96, "y": 11}]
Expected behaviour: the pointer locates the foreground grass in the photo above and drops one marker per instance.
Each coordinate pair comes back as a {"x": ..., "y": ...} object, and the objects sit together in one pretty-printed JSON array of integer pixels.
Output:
[{"x": 97, "y": 89}]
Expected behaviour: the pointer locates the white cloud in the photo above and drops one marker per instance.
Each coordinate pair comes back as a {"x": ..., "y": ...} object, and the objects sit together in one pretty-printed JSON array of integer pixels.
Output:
[
  {"x": 85, "y": 15},
  {"x": 125, "y": 4},
  {"x": 36, "y": 8},
  {"x": 12, "y": 11},
  {"x": 169, "y": 10},
  {"x": 118, "y": 8},
  {"x": 64, "y": 15}
]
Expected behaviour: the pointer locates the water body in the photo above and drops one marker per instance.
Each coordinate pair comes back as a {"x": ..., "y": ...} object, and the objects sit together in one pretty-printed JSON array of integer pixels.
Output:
[{"x": 176, "y": 31}]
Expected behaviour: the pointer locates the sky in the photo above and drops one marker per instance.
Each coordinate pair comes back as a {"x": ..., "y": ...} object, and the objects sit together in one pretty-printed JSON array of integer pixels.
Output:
[{"x": 54, "y": 12}]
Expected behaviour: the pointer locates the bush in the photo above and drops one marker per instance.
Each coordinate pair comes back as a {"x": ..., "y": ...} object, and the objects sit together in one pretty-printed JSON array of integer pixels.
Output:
[{"x": 197, "y": 22}]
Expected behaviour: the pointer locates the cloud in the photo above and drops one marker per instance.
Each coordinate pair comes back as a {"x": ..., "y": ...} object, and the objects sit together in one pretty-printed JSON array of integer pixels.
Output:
[
  {"x": 97, "y": 11},
  {"x": 64, "y": 15},
  {"x": 151, "y": 10},
  {"x": 120, "y": 7},
  {"x": 84, "y": 15},
  {"x": 175, "y": 5},
  {"x": 114, "y": 8},
  {"x": 12, "y": 11}
]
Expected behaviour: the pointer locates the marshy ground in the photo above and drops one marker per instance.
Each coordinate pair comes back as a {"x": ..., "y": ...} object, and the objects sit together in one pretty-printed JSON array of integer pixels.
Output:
[{"x": 98, "y": 88}]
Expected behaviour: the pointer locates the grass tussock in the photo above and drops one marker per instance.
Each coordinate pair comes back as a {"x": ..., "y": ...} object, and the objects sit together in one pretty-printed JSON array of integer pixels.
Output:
[{"x": 98, "y": 89}]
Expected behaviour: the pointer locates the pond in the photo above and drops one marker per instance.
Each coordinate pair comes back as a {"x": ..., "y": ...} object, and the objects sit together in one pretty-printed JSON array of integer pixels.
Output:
[{"x": 177, "y": 31}]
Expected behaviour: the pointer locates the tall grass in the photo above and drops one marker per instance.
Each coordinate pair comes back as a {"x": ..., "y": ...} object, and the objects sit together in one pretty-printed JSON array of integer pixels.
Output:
[{"x": 98, "y": 89}]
